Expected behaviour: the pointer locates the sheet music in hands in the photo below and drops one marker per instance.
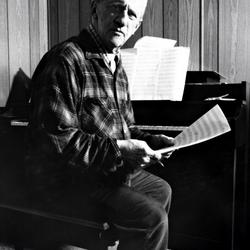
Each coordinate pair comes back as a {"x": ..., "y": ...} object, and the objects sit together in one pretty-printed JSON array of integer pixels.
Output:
[
  {"x": 156, "y": 69},
  {"x": 210, "y": 125}
]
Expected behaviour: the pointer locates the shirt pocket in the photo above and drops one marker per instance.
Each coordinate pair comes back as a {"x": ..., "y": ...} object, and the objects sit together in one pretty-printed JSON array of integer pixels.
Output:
[{"x": 98, "y": 116}]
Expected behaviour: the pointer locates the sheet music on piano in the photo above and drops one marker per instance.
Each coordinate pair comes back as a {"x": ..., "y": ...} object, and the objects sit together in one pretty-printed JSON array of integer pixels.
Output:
[
  {"x": 156, "y": 69},
  {"x": 210, "y": 125}
]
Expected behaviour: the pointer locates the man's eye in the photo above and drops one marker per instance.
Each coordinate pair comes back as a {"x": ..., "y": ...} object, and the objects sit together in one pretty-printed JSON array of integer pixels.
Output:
[
  {"x": 118, "y": 9},
  {"x": 132, "y": 15}
]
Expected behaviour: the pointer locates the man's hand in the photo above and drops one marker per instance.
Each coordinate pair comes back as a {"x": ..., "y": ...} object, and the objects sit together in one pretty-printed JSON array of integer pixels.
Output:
[
  {"x": 137, "y": 153},
  {"x": 162, "y": 141}
]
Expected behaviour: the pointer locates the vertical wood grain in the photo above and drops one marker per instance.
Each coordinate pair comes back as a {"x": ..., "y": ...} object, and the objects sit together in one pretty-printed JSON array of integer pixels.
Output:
[
  {"x": 234, "y": 30},
  {"x": 229, "y": 17},
  {"x": 84, "y": 13},
  {"x": 68, "y": 18},
  {"x": 43, "y": 27},
  {"x": 189, "y": 30},
  {"x": 23, "y": 40},
  {"x": 153, "y": 19},
  {"x": 170, "y": 19},
  {"x": 53, "y": 22},
  {"x": 38, "y": 31},
  {"x": 34, "y": 33},
  {"x": 19, "y": 39},
  {"x": 4, "y": 58},
  {"x": 210, "y": 35}
]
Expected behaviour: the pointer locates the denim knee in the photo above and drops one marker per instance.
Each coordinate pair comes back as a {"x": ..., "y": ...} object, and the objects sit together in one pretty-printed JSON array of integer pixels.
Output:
[
  {"x": 158, "y": 216},
  {"x": 166, "y": 195}
]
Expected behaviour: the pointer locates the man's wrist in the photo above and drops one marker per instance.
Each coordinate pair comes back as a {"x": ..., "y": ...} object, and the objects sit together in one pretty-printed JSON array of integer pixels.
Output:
[{"x": 121, "y": 143}]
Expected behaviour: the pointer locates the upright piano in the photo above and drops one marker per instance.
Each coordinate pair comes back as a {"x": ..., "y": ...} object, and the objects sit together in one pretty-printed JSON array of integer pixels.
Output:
[{"x": 209, "y": 180}]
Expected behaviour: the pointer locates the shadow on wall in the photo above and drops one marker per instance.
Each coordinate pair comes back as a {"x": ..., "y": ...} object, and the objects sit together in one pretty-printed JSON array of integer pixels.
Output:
[{"x": 19, "y": 96}]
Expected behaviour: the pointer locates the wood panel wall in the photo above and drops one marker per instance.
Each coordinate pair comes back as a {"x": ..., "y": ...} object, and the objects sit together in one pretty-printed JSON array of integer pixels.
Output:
[
  {"x": 216, "y": 30},
  {"x": 234, "y": 38},
  {"x": 23, "y": 39}
]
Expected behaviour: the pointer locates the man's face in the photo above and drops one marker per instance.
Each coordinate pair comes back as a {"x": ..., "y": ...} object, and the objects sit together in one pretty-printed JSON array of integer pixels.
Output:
[{"x": 117, "y": 20}]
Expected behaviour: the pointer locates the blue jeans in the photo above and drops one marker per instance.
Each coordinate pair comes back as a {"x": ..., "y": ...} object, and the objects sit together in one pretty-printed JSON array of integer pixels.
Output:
[{"x": 139, "y": 211}]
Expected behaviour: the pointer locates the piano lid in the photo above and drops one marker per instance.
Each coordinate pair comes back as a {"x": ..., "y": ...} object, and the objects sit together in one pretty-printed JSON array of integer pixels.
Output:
[
  {"x": 206, "y": 91},
  {"x": 204, "y": 77}
]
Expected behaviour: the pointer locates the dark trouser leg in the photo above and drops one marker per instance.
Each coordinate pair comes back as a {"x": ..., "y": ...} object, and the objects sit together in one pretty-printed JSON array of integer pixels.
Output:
[{"x": 140, "y": 211}]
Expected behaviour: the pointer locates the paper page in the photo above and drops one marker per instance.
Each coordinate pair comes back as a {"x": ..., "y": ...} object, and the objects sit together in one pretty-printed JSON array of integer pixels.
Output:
[
  {"x": 156, "y": 69},
  {"x": 144, "y": 83},
  {"x": 129, "y": 62},
  {"x": 172, "y": 74},
  {"x": 155, "y": 42},
  {"x": 210, "y": 125},
  {"x": 160, "y": 74}
]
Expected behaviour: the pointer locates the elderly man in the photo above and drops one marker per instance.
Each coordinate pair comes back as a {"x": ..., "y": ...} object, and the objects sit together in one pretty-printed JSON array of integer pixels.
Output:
[{"x": 82, "y": 141}]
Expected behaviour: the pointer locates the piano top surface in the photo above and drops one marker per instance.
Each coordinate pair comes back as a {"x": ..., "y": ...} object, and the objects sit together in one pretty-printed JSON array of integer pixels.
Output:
[{"x": 193, "y": 104}]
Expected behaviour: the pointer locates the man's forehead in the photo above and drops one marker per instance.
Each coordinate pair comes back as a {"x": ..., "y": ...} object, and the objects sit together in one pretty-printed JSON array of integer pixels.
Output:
[
  {"x": 123, "y": 1},
  {"x": 141, "y": 4}
]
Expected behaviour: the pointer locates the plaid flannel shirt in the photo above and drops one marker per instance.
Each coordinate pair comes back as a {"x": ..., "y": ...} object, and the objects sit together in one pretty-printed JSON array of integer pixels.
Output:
[{"x": 79, "y": 109}]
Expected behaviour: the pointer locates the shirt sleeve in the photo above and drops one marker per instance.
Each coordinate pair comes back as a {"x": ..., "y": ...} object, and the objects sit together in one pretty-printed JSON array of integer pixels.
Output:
[
  {"x": 55, "y": 124},
  {"x": 135, "y": 132}
]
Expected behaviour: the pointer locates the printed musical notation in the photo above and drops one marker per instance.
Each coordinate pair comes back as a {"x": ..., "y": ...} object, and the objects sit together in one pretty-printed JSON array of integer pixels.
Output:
[{"x": 210, "y": 125}]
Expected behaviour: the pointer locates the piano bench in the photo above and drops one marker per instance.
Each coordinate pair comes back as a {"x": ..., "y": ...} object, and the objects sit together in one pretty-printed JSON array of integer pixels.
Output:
[{"x": 24, "y": 228}]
